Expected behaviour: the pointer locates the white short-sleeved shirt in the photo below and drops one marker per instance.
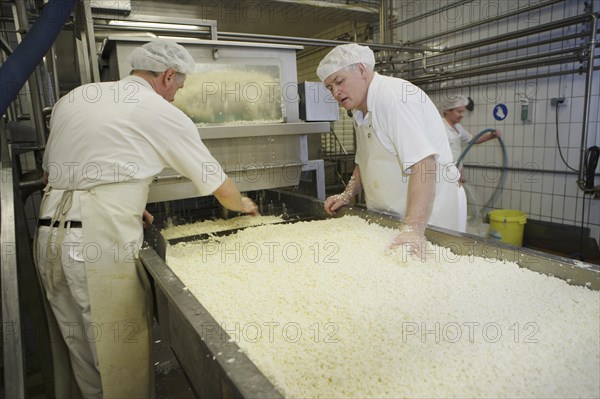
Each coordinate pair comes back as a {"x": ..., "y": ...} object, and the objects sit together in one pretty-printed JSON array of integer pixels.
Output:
[
  {"x": 124, "y": 131},
  {"x": 457, "y": 136},
  {"x": 406, "y": 121},
  {"x": 410, "y": 128}
]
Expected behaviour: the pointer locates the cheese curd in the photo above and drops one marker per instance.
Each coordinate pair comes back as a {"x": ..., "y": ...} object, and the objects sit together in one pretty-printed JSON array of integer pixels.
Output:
[
  {"x": 213, "y": 226},
  {"x": 324, "y": 310}
]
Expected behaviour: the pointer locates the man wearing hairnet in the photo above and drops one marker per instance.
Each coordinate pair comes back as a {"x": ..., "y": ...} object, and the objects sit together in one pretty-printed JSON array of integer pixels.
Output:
[
  {"x": 107, "y": 141},
  {"x": 453, "y": 109},
  {"x": 403, "y": 160}
]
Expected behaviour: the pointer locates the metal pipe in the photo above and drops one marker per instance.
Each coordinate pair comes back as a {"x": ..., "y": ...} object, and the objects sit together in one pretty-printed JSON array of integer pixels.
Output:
[
  {"x": 31, "y": 84},
  {"x": 507, "y": 80},
  {"x": 495, "y": 68},
  {"x": 513, "y": 169},
  {"x": 385, "y": 31},
  {"x": 91, "y": 43},
  {"x": 430, "y": 13},
  {"x": 14, "y": 365},
  {"x": 53, "y": 59},
  {"x": 254, "y": 37},
  {"x": 587, "y": 95},
  {"x": 493, "y": 52},
  {"x": 19, "y": 66},
  {"x": 485, "y": 21},
  {"x": 518, "y": 34}
]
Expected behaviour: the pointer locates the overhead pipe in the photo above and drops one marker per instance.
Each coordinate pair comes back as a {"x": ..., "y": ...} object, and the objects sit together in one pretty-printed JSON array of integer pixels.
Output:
[
  {"x": 430, "y": 13},
  {"x": 588, "y": 91},
  {"x": 494, "y": 52},
  {"x": 254, "y": 37},
  {"x": 517, "y": 34},
  {"x": 502, "y": 66},
  {"x": 29, "y": 53},
  {"x": 496, "y": 40},
  {"x": 486, "y": 21},
  {"x": 506, "y": 80},
  {"x": 506, "y": 37}
]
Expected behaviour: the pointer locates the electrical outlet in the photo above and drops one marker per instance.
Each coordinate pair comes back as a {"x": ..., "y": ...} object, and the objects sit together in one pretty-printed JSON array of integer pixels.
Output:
[{"x": 558, "y": 101}]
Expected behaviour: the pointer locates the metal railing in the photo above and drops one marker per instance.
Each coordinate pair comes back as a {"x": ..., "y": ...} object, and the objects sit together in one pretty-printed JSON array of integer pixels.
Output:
[{"x": 333, "y": 150}]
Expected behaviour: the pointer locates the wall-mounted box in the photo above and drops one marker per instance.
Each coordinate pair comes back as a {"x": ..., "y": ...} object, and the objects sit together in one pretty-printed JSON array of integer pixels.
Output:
[{"x": 317, "y": 103}]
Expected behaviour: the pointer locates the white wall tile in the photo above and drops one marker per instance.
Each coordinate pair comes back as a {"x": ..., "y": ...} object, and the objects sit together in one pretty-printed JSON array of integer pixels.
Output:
[
  {"x": 594, "y": 212},
  {"x": 559, "y": 185},
  {"x": 573, "y": 157},
  {"x": 549, "y": 158},
  {"x": 527, "y": 156},
  {"x": 570, "y": 209},
  {"x": 594, "y": 110},
  {"x": 538, "y": 157},
  {"x": 550, "y": 135},
  {"x": 532, "y": 144},
  {"x": 574, "y": 140},
  {"x": 558, "y": 203},
  {"x": 546, "y": 208},
  {"x": 515, "y": 200},
  {"x": 576, "y": 109},
  {"x": 536, "y": 203},
  {"x": 547, "y": 183}
]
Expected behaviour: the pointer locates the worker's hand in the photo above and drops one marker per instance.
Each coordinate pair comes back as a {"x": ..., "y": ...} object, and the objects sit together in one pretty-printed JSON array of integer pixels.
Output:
[
  {"x": 409, "y": 243},
  {"x": 147, "y": 218},
  {"x": 461, "y": 179},
  {"x": 249, "y": 207},
  {"x": 496, "y": 133},
  {"x": 335, "y": 202}
]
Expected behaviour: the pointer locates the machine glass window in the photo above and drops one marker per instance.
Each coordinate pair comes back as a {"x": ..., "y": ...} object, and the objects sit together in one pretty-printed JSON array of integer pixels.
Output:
[{"x": 232, "y": 94}]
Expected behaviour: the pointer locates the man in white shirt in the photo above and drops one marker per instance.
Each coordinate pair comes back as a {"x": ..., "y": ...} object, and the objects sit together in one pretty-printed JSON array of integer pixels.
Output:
[
  {"x": 453, "y": 110},
  {"x": 107, "y": 141},
  {"x": 403, "y": 160}
]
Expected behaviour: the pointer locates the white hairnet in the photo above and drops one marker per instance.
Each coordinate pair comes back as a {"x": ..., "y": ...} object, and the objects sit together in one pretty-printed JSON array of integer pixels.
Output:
[
  {"x": 160, "y": 55},
  {"x": 343, "y": 56},
  {"x": 454, "y": 102}
]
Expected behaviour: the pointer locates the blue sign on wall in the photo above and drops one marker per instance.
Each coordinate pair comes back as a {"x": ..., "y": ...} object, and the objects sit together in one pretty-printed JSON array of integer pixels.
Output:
[{"x": 500, "y": 112}]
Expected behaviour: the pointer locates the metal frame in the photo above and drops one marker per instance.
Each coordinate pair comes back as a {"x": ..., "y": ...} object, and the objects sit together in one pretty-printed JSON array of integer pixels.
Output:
[
  {"x": 203, "y": 347},
  {"x": 14, "y": 367}
]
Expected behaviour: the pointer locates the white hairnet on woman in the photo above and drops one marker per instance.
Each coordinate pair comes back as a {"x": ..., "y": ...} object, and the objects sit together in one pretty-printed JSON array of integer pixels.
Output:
[
  {"x": 160, "y": 55},
  {"x": 453, "y": 109},
  {"x": 343, "y": 56},
  {"x": 454, "y": 102}
]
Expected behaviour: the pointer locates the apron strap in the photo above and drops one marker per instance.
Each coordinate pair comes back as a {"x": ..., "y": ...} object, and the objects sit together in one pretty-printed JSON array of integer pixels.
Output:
[{"x": 53, "y": 268}]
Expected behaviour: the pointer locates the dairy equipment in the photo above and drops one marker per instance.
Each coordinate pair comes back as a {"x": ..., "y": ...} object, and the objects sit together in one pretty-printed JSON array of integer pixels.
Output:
[
  {"x": 244, "y": 99},
  {"x": 202, "y": 345}
]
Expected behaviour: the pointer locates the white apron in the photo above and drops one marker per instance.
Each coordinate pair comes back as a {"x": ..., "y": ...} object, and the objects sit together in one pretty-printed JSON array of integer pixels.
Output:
[
  {"x": 112, "y": 236},
  {"x": 386, "y": 184}
]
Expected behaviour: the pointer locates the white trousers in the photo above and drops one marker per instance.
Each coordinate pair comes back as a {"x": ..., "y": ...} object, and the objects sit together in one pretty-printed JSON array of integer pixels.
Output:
[{"x": 71, "y": 307}]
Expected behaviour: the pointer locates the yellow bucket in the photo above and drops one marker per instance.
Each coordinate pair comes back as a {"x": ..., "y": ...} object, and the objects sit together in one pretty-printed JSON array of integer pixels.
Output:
[{"x": 507, "y": 226}]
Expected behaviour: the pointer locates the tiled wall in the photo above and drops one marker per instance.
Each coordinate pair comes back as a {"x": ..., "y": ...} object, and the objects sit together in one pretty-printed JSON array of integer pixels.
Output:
[{"x": 547, "y": 189}]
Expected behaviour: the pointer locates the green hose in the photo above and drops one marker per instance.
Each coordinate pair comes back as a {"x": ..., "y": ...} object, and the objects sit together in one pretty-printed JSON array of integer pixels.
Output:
[{"x": 502, "y": 180}]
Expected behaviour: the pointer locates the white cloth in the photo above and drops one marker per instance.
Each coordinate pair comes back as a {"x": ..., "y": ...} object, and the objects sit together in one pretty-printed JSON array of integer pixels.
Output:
[
  {"x": 406, "y": 121},
  {"x": 71, "y": 307},
  {"x": 405, "y": 127},
  {"x": 160, "y": 55},
  {"x": 343, "y": 56},
  {"x": 454, "y": 102},
  {"x": 102, "y": 134},
  {"x": 457, "y": 136},
  {"x": 122, "y": 131}
]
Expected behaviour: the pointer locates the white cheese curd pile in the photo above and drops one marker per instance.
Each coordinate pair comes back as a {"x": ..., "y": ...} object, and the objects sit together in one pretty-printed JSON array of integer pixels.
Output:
[
  {"x": 324, "y": 310},
  {"x": 213, "y": 226}
]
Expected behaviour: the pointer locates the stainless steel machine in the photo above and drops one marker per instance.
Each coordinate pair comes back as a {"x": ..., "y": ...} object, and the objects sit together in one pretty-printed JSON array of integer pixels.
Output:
[
  {"x": 197, "y": 338},
  {"x": 244, "y": 99}
]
